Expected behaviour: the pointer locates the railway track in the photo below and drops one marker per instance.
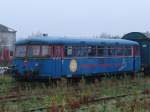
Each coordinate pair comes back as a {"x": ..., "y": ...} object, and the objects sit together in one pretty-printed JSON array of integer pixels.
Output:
[
  {"x": 90, "y": 101},
  {"x": 14, "y": 98},
  {"x": 19, "y": 97},
  {"x": 22, "y": 97}
]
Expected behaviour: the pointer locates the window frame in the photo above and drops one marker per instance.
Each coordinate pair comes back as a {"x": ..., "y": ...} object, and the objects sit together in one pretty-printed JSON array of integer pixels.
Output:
[
  {"x": 80, "y": 51},
  {"x": 101, "y": 48},
  {"x": 136, "y": 50},
  {"x": 119, "y": 49},
  {"x": 48, "y": 53},
  {"x": 92, "y": 54},
  {"x": 16, "y": 51},
  {"x": 61, "y": 50},
  {"x": 33, "y": 56},
  {"x": 66, "y": 48},
  {"x": 127, "y": 53},
  {"x": 113, "y": 51}
]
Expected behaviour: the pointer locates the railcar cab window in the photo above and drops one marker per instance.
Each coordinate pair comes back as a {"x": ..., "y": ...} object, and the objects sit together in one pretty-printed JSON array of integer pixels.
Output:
[
  {"x": 20, "y": 51},
  {"x": 92, "y": 51},
  {"x": 46, "y": 51},
  {"x": 33, "y": 51}
]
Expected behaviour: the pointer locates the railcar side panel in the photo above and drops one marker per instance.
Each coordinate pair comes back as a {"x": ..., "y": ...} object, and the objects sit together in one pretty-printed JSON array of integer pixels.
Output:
[
  {"x": 85, "y": 66},
  {"x": 58, "y": 59},
  {"x": 91, "y": 66}
]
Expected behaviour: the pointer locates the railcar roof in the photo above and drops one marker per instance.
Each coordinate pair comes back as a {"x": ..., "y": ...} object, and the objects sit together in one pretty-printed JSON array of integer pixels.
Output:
[{"x": 73, "y": 41}]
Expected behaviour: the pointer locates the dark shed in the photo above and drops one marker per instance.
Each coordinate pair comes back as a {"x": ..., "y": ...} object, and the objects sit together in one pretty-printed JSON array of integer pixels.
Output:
[
  {"x": 144, "y": 42},
  {"x": 136, "y": 36}
]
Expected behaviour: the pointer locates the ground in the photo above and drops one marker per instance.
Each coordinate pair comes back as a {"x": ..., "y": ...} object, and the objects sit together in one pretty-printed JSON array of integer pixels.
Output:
[{"x": 111, "y": 94}]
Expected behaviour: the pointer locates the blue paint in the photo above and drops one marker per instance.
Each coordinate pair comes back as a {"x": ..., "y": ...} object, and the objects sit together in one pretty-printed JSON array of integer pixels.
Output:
[
  {"x": 73, "y": 41},
  {"x": 55, "y": 68},
  {"x": 60, "y": 67}
]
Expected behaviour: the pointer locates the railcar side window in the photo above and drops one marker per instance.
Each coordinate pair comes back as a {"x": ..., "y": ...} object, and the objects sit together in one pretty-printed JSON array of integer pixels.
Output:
[
  {"x": 20, "y": 51},
  {"x": 100, "y": 51},
  {"x": 68, "y": 51},
  {"x": 80, "y": 51},
  {"x": 111, "y": 51},
  {"x": 57, "y": 51},
  {"x": 92, "y": 51},
  {"x": 34, "y": 51},
  {"x": 136, "y": 51},
  {"x": 77, "y": 51},
  {"x": 83, "y": 51},
  {"x": 120, "y": 51},
  {"x": 45, "y": 51},
  {"x": 127, "y": 51}
]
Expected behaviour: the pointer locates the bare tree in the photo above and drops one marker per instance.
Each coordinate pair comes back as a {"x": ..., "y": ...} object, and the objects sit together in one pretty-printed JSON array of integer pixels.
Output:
[
  {"x": 147, "y": 33},
  {"x": 105, "y": 35}
]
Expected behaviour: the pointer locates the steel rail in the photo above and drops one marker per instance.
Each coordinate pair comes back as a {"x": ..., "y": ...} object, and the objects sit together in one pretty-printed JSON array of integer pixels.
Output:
[{"x": 95, "y": 100}]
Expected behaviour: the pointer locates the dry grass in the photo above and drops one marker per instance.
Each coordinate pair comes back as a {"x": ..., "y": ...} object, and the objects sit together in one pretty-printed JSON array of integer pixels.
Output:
[{"x": 75, "y": 96}]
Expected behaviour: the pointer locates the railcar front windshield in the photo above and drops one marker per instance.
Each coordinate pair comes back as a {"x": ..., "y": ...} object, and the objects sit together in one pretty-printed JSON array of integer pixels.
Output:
[
  {"x": 33, "y": 51},
  {"x": 21, "y": 51}
]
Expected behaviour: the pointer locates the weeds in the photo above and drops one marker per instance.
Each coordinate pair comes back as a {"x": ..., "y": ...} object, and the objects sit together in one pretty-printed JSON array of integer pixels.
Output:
[{"x": 63, "y": 97}]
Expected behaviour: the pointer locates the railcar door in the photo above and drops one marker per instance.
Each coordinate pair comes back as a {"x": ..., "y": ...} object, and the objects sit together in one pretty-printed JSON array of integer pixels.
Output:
[{"x": 57, "y": 59}]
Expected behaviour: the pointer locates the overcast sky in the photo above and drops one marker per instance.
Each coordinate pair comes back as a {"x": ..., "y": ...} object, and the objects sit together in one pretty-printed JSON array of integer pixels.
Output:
[{"x": 75, "y": 17}]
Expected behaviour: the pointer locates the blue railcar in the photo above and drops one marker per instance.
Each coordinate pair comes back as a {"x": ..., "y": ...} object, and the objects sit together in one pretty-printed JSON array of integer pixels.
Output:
[{"x": 56, "y": 57}]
